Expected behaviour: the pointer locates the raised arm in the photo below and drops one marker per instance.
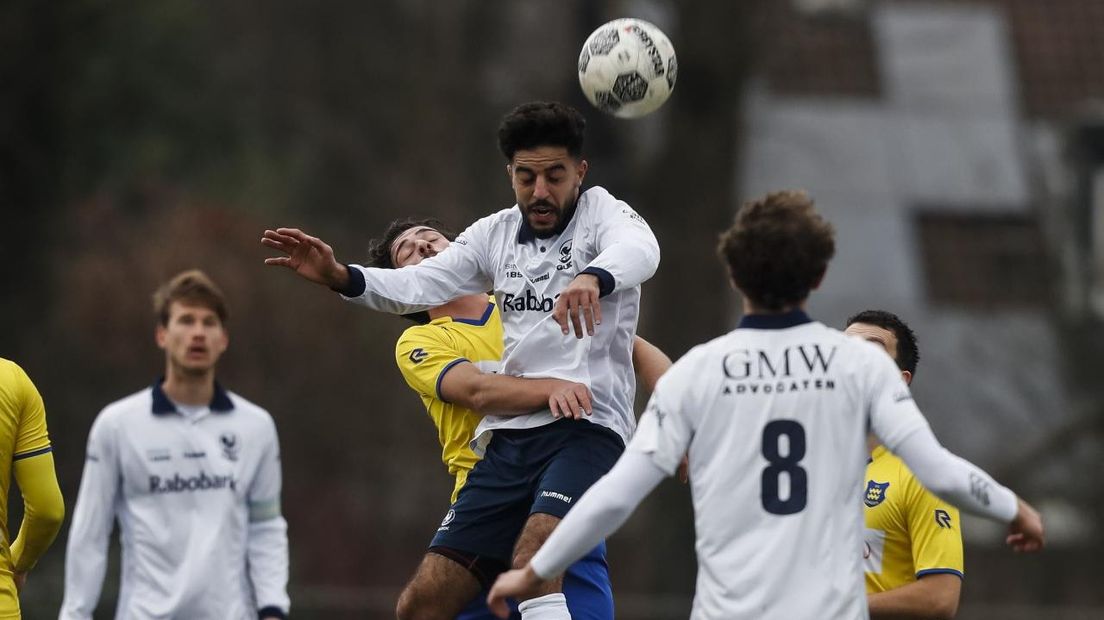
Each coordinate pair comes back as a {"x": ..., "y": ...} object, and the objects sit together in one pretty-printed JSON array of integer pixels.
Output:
[
  {"x": 435, "y": 281},
  {"x": 628, "y": 254},
  {"x": 898, "y": 423}
]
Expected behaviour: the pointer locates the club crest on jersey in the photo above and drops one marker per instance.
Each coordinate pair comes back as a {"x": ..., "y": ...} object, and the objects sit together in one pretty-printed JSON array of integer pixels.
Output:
[
  {"x": 565, "y": 256},
  {"x": 875, "y": 493},
  {"x": 229, "y": 442}
]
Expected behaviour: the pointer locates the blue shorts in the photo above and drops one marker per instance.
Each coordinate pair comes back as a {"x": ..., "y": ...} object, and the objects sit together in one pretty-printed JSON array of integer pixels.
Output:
[{"x": 586, "y": 587}]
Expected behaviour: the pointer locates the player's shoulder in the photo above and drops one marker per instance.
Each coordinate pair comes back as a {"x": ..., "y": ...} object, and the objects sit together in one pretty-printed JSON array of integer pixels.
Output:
[
  {"x": 139, "y": 403},
  {"x": 248, "y": 409},
  {"x": 12, "y": 376},
  {"x": 693, "y": 365},
  {"x": 433, "y": 333},
  {"x": 598, "y": 201}
]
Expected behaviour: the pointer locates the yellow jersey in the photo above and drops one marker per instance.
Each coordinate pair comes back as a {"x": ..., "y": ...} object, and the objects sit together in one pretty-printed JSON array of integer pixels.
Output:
[
  {"x": 22, "y": 435},
  {"x": 909, "y": 531},
  {"x": 425, "y": 353}
]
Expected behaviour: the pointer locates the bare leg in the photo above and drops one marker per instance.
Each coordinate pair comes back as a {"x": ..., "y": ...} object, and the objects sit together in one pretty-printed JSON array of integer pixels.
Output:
[
  {"x": 440, "y": 589},
  {"x": 537, "y": 530}
]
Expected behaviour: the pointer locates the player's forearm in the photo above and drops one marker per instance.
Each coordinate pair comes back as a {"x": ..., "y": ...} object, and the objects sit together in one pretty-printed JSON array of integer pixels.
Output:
[
  {"x": 599, "y": 513},
  {"x": 631, "y": 262},
  {"x": 955, "y": 479},
  {"x": 267, "y": 556},
  {"x": 44, "y": 510},
  {"x": 933, "y": 597},
  {"x": 492, "y": 394}
]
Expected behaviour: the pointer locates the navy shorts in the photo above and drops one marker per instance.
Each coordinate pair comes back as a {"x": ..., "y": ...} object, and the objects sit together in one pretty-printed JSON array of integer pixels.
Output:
[{"x": 524, "y": 471}]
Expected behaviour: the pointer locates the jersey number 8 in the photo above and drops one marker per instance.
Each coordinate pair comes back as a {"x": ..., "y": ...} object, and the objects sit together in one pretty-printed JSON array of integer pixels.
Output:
[{"x": 788, "y": 464}]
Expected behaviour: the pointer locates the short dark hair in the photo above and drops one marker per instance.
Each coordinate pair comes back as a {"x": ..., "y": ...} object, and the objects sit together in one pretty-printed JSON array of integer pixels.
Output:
[
  {"x": 379, "y": 250},
  {"x": 778, "y": 249},
  {"x": 192, "y": 287},
  {"x": 541, "y": 123},
  {"x": 907, "y": 355}
]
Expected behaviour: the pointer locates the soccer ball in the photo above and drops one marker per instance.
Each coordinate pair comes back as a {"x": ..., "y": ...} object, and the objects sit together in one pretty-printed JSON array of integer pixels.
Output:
[{"x": 627, "y": 68}]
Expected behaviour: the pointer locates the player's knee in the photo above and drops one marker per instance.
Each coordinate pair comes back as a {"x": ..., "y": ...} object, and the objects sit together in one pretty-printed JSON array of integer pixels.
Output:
[{"x": 413, "y": 607}]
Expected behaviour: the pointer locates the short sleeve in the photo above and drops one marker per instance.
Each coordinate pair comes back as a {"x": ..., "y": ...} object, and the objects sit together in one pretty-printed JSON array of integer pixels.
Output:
[
  {"x": 424, "y": 355},
  {"x": 935, "y": 530},
  {"x": 31, "y": 437}
]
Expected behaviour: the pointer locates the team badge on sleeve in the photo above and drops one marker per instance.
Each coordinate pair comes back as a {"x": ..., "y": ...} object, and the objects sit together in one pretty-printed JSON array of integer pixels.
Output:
[{"x": 875, "y": 493}]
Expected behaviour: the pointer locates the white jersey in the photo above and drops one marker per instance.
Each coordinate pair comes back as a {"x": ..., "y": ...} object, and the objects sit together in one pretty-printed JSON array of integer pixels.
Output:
[
  {"x": 605, "y": 237},
  {"x": 197, "y": 498},
  {"x": 774, "y": 416}
]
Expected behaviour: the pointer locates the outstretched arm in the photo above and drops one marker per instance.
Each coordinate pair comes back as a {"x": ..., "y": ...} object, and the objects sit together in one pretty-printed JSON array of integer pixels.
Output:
[
  {"x": 308, "y": 256},
  {"x": 965, "y": 485},
  {"x": 495, "y": 394}
]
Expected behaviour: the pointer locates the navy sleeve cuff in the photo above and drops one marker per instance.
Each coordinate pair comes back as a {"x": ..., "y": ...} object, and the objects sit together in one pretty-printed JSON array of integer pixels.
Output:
[
  {"x": 356, "y": 283},
  {"x": 271, "y": 612},
  {"x": 605, "y": 279}
]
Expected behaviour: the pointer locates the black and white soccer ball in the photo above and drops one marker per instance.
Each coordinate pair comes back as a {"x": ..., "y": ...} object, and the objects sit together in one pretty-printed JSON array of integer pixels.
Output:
[{"x": 627, "y": 68}]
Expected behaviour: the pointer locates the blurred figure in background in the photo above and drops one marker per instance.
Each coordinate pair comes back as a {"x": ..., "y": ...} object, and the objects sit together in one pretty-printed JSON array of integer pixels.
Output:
[
  {"x": 24, "y": 437},
  {"x": 912, "y": 551},
  {"x": 192, "y": 473},
  {"x": 448, "y": 359},
  {"x": 558, "y": 261}
]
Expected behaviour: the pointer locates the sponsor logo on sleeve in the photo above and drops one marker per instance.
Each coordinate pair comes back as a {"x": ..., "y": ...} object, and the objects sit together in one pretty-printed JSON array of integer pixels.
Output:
[
  {"x": 417, "y": 356},
  {"x": 942, "y": 518}
]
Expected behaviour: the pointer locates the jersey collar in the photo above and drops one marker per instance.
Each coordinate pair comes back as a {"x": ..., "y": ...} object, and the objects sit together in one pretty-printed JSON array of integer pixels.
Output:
[
  {"x": 220, "y": 401},
  {"x": 793, "y": 318}
]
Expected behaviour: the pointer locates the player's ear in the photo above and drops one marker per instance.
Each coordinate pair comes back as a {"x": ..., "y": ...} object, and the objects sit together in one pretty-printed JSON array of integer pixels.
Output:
[
  {"x": 907, "y": 376},
  {"x": 510, "y": 172},
  {"x": 582, "y": 168},
  {"x": 159, "y": 336}
]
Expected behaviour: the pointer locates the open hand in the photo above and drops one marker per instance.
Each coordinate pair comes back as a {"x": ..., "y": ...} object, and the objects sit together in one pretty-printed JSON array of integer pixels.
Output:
[
  {"x": 308, "y": 256},
  {"x": 516, "y": 583},
  {"x": 570, "y": 400}
]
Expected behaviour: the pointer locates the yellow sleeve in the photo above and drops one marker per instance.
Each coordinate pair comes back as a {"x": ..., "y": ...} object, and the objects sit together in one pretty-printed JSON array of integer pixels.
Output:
[
  {"x": 31, "y": 436},
  {"x": 935, "y": 530},
  {"x": 424, "y": 354},
  {"x": 43, "y": 510}
]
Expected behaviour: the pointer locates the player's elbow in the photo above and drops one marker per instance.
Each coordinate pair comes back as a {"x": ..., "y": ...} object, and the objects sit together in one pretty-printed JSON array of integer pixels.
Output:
[
  {"x": 944, "y": 610},
  {"x": 49, "y": 515}
]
